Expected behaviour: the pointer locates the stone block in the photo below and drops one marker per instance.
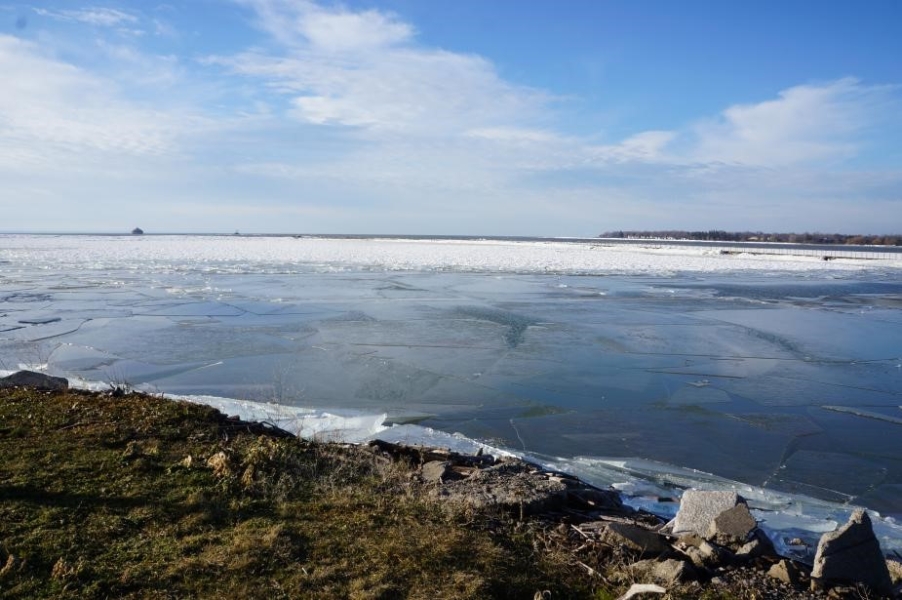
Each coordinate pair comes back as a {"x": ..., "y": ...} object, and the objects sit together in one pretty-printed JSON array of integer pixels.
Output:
[
  {"x": 732, "y": 527},
  {"x": 699, "y": 508},
  {"x": 851, "y": 554},
  {"x": 635, "y": 539}
]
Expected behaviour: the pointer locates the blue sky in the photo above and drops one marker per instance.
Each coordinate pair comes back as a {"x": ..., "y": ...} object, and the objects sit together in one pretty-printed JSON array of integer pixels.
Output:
[{"x": 451, "y": 117}]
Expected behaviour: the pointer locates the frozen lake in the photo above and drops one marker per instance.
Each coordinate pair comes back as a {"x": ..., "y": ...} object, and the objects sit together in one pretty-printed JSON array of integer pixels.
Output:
[{"x": 778, "y": 372}]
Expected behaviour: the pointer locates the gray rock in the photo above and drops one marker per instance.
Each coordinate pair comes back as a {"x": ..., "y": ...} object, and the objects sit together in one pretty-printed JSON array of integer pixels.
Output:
[
  {"x": 787, "y": 572},
  {"x": 511, "y": 486},
  {"x": 699, "y": 508},
  {"x": 759, "y": 545},
  {"x": 435, "y": 471},
  {"x": 695, "y": 556},
  {"x": 667, "y": 572},
  {"x": 32, "y": 379},
  {"x": 689, "y": 539},
  {"x": 598, "y": 500},
  {"x": 851, "y": 554},
  {"x": 635, "y": 539},
  {"x": 732, "y": 527},
  {"x": 708, "y": 556}
]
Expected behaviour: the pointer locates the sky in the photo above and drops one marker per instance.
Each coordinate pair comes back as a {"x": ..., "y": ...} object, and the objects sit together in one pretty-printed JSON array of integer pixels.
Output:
[{"x": 471, "y": 117}]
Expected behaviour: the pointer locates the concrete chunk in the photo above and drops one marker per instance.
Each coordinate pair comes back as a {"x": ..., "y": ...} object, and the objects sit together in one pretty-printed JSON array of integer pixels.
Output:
[
  {"x": 732, "y": 527},
  {"x": 759, "y": 545},
  {"x": 698, "y": 509},
  {"x": 851, "y": 554},
  {"x": 435, "y": 471},
  {"x": 635, "y": 539},
  {"x": 787, "y": 572}
]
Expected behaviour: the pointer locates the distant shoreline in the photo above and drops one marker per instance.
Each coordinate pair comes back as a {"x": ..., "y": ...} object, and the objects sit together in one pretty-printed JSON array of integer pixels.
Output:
[{"x": 840, "y": 239}]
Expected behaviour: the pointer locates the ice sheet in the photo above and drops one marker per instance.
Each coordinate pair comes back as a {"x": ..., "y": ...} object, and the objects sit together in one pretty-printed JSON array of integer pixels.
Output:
[
  {"x": 779, "y": 374},
  {"x": 222, "y": 255}
]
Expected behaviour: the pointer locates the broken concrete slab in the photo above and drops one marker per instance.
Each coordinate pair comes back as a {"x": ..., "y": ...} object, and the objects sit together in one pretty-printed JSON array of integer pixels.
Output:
[
  {"x": 788, "y": 572},
  {"x": 698, "y": 508},
  {"x": 435, "y": 471},
  {"x": 635, "y": 539},
  {"x": 708, "y": 556},
  {"x": 732, "y": 527},
  {"x": 851, "y": 554},
  {"x": 758, "y": 545}
]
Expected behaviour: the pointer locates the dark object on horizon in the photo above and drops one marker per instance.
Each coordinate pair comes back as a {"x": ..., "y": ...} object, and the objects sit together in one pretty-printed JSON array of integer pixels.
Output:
[{"x": 137, "y": 231}]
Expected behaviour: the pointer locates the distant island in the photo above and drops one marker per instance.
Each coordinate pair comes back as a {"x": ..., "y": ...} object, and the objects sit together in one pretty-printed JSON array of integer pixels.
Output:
[
  {"x": 757, "y": 236},
  {"x": 137, "y": 231}
]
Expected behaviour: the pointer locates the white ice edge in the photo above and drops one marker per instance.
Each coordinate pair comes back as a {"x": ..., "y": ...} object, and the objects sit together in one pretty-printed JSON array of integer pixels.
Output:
[
  {"x": 286, "y": 254},
  {"x": 643, "y": 484},
  {"x": 867, "y": 414}
]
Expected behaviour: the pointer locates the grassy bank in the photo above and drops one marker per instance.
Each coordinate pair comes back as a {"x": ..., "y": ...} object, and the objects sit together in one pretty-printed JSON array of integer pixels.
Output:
[{"x": 142, "y": 497}]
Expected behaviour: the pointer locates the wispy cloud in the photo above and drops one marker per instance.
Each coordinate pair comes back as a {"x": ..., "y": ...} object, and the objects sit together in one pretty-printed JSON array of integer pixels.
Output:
[
  {"x": 98, "y": 16},
  {"x": 51, "y": 108},
  {"x": 419, "y": 122},
  {"x": 806, "y": 123},
  {"x": 365, "y": 70},
  {"x": 303, "y": 24}
]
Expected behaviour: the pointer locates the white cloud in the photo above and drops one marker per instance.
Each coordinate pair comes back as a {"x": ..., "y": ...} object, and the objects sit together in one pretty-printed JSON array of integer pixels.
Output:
[
  {"x": 648, "y": 146},
  {"x": 364, "y": 70},
  {"x": 50, "y": 108},
  {"x": 514, "y": 135},
  {"x": 805, "y": 123},
  {"x": 98, "y": 16},
  {"x": 301, "y": 23},
  {"x": 343, "y": 31}
]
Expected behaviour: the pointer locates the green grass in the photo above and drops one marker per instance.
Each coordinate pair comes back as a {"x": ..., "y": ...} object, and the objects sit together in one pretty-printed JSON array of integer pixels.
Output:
[{"x": 104, "y": 497}]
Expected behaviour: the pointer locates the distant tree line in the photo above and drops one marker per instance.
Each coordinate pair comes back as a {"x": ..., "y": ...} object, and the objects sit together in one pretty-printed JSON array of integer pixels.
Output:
[{"x": 716, "y": 235}]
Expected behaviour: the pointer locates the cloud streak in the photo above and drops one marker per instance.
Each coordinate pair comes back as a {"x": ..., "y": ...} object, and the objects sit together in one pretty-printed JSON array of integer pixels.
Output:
[{"x": 101, "y": 17}]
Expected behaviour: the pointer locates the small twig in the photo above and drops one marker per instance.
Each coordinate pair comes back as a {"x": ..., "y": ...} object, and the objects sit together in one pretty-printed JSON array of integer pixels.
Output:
[
  {"x": 76, "y": 424},
  {"x": 590, "y": 570},
  {"x": 642, "y": 588}
]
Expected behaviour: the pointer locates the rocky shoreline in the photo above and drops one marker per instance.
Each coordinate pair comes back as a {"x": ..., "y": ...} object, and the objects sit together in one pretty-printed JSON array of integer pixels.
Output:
[
  {"x": 713, "y": 539},
  {"x": 713, "y": 542}
]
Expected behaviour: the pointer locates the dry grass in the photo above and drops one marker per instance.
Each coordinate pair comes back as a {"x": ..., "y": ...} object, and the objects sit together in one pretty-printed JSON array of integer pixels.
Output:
[{"x": 139, "y": 497}]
